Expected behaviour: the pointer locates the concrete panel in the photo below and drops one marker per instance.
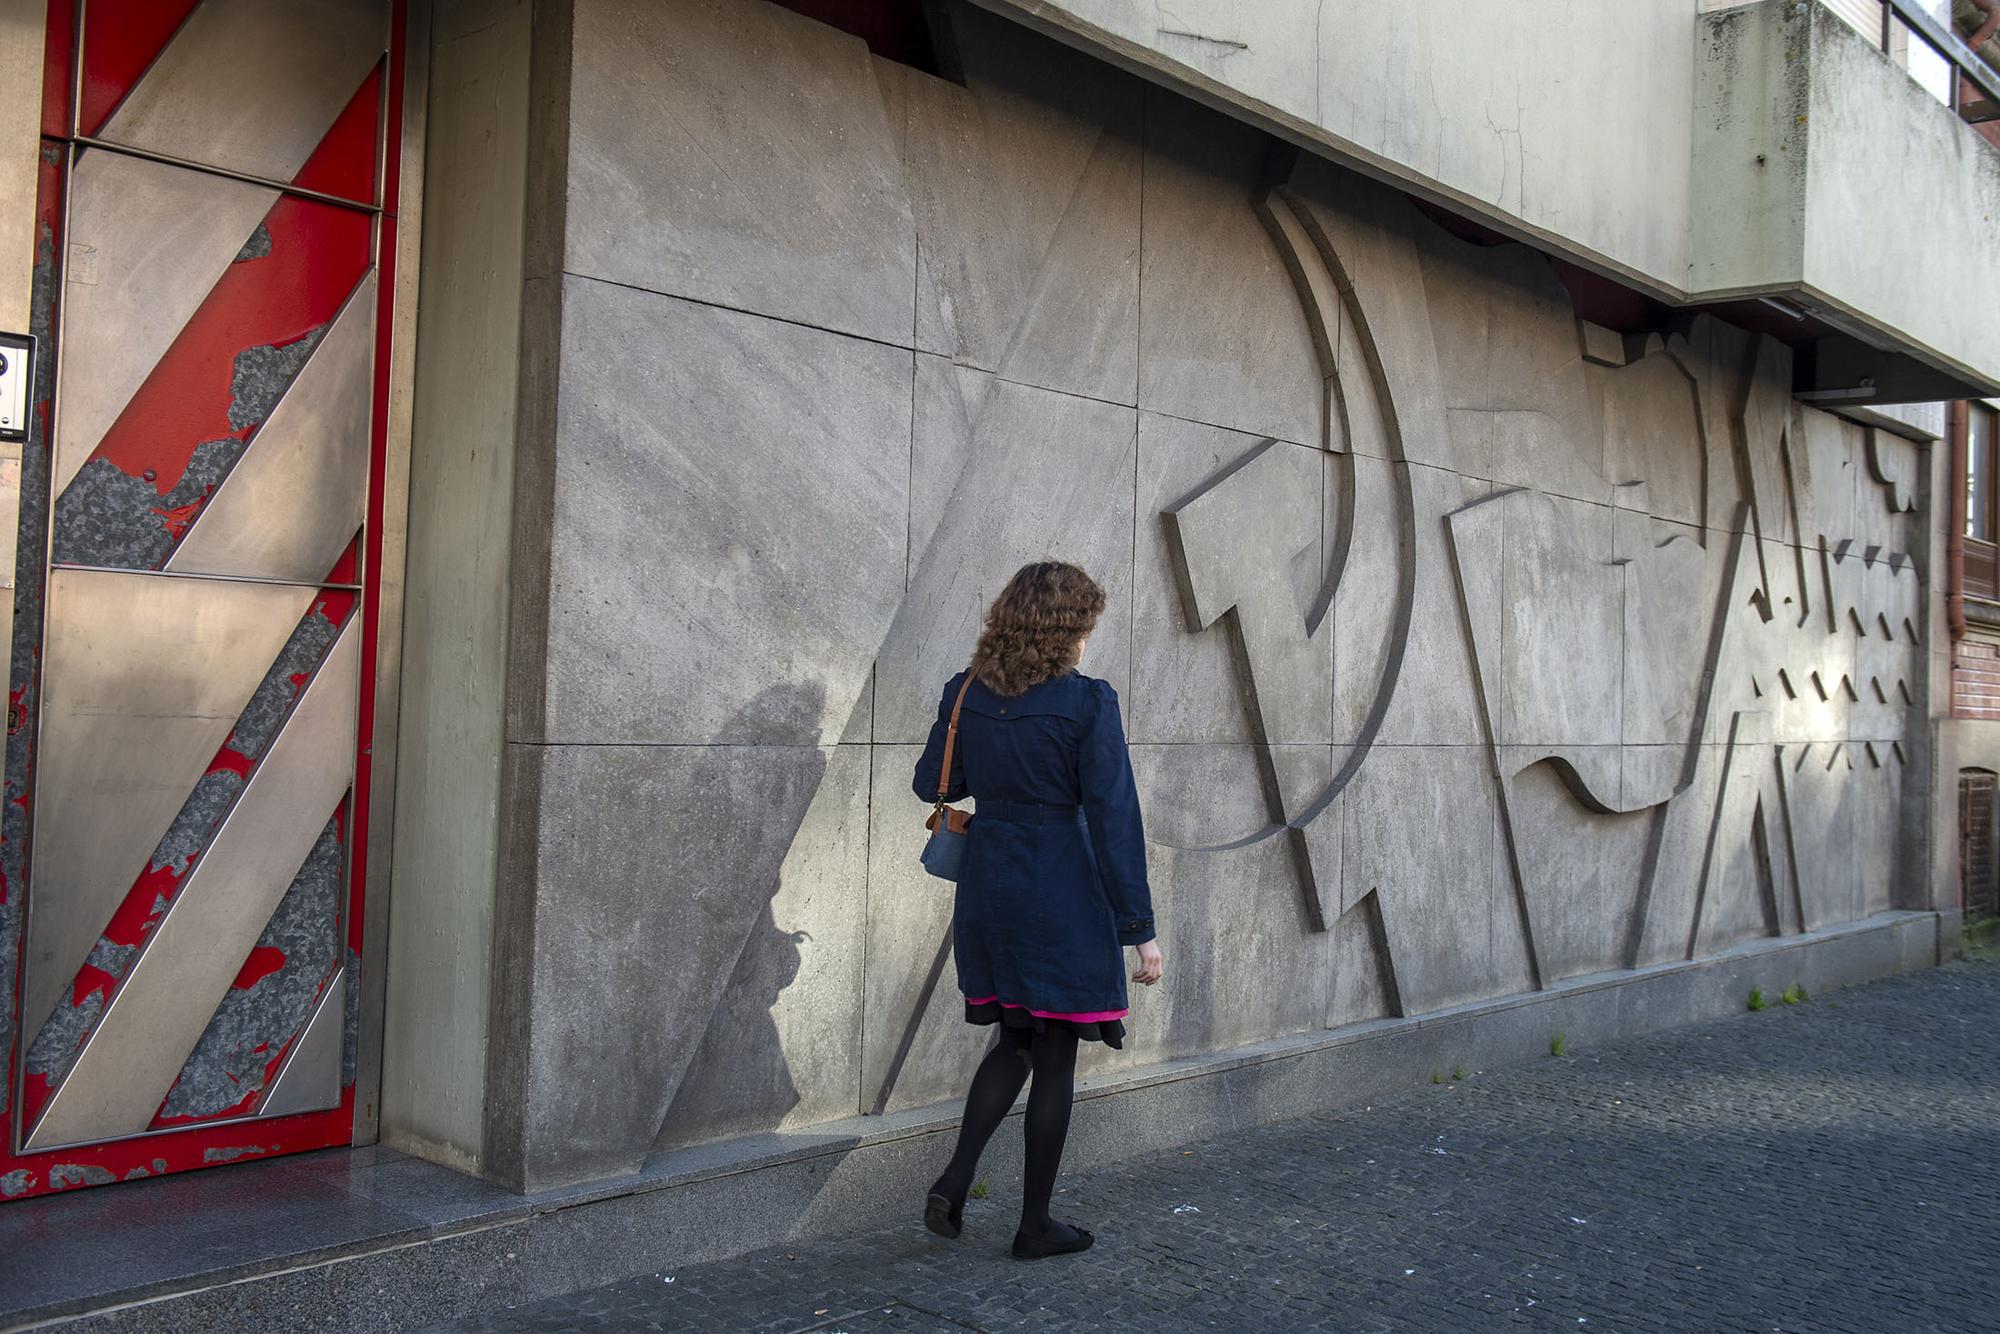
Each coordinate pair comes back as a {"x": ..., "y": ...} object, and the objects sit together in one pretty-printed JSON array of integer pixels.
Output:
[
  {"x": 1666, "y": 618},
  {"x": 1244, "y": 963},
  {"x": 1222, "y": 336},
  {"x": 1369, "y": 522},
  {"x": 632, "y": 883},
  {"x": 1895, "y": 471},
  {"x": 1714, "y": 356},
  {"x": 1048, "y": 476},
  {"x": 738, "y": 154},
  {"x": 1436, "y": 700},
  {"x": 915, "y": 1043},
  {"x": 1579, "y": 869},
  {"x": 1678, "y": 853},
  {"x": 1186, "y": 683},
  {"x": 696, "y": 565},
  {"x": 1507, "y": 347},
  {"x": 948, "y": 401},
  {"x": 1879, "y": 779},
  {"x": 1777, "y": 110},
  {"x": 1867, "y": 120},
  {"x": 1562, "y": 626},
  {"x": 1365, "y": 233},
  {"x": 1749, "y": 886},
  {"x": 1653, "y": 433},
  {"x": 1025, "y": 188},
  {"x": 1888, "y": 662},
  {"x": 1362, "y": 987},
  {"x": 784, "y": 1041},
  {"x": 1822, "y": 800},
  {"x": 1242, "y": 555},
  {"x": 1420, "y": 836},
  {"x": 454, "y": 634},
  {"x": 1774, "y": 454},
  {"x": 861, "y": 723},
  {"x": 1454, "y": 103},
  {"x": 1828, "y": 485}
]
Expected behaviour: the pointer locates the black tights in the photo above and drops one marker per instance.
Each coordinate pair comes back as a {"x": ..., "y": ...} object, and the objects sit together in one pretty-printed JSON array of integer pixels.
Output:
[{"x": 1052, "y": 1057}]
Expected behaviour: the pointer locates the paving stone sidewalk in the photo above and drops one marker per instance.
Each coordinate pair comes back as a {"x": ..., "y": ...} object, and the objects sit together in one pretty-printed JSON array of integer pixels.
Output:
[{"x": 1825, "y": 1166}]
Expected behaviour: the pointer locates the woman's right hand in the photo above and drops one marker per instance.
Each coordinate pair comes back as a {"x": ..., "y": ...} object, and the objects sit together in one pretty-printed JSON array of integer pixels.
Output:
[{"x": 1149, "y": 963}]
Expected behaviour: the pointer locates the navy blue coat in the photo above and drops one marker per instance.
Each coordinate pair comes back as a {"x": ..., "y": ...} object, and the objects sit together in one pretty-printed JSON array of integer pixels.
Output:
[{"x": 1054, "y": 881}]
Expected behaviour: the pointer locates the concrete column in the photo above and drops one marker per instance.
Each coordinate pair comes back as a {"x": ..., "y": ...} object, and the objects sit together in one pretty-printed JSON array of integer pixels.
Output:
[{"x": 460, "y": 559}]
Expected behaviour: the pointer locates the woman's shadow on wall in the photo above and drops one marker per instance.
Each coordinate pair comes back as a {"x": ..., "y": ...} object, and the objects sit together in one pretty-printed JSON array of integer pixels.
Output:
[{"x": 740, "y": 1079}]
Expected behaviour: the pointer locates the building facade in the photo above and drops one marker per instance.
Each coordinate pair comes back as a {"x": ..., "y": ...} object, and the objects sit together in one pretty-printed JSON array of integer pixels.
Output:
[{"x": 505, "y": 481}]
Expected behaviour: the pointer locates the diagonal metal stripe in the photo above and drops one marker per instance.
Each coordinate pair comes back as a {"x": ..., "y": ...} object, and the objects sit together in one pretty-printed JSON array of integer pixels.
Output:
[
  {"x": 153, "y": 1022},
  {"x": 253, "y": 85},
  {"x": 145, "y": 678},
  {"x": 310, "y": 1078},
  {"x": 146, "y": 244},
  {"x": 293, "y": 502}
]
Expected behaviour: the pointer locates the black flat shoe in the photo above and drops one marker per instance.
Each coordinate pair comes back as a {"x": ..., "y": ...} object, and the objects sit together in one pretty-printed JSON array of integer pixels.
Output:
[
  {"x": 944, "y": 1215},
  {"x": 1060, "y": 1239}
]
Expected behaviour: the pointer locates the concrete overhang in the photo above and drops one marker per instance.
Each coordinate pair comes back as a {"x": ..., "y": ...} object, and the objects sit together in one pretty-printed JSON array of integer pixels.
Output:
[{"x": 1764, "y": 161}]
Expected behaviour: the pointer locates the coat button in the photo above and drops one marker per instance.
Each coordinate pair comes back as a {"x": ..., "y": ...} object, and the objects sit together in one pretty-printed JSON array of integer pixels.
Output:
[{"x": 1003, "y": 713}]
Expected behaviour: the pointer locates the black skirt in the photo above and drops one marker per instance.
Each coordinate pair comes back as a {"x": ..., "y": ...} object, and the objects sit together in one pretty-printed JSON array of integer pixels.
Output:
[{"x": 1020, "y": 1026}]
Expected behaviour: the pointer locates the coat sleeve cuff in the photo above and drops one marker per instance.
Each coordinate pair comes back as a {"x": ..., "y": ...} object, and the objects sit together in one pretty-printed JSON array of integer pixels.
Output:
[{"x": 1134, "y": 931}]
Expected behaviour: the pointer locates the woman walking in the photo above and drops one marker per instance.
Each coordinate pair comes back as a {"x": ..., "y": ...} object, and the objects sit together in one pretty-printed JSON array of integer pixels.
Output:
[{"x": 1053, "y": 885}]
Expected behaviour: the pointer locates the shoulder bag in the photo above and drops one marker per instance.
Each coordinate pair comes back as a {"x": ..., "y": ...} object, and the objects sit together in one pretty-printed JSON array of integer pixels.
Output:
[{"x": 945, "y": 852}]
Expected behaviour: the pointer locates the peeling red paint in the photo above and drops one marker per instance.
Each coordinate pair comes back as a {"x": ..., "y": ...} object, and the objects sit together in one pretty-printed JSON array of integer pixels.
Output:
[
  {"x": 90, "y": 979},
  {"x": 263, "y": 961},
  {"x": 318, "y": 253}
]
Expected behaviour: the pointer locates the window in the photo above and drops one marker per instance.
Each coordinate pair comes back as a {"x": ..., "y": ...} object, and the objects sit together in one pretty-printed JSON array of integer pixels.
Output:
[
  {"x": 1982, "y": 504},
  {"x": 1979, "y": 518}
]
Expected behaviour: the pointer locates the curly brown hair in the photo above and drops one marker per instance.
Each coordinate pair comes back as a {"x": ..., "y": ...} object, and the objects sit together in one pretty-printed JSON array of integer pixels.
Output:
[{"x": 1035, "y": 628}]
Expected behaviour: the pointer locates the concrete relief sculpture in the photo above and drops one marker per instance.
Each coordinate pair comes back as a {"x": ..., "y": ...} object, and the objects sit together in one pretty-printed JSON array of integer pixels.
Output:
[{"x": 1465, "y": 646}]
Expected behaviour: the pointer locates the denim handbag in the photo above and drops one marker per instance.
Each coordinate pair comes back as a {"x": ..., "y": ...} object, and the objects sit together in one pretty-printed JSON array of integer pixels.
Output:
[{"x": 944, "y": 853}]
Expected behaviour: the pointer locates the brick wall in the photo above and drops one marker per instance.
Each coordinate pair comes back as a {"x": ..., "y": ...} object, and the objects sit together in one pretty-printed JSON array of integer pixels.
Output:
[{"x": 1975, "y": 680}]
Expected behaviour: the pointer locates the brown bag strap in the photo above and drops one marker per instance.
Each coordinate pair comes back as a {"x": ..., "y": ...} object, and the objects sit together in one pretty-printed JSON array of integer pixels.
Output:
[{"x": 951, "y": 740}]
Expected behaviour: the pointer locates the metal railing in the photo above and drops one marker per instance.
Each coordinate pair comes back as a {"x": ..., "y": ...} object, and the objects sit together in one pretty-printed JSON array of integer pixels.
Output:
[{"x": 1974, "y": 85}]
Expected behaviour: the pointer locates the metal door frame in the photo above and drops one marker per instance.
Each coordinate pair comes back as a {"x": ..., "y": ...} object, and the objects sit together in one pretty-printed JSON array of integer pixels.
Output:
[{"x": 23, "y": 26}]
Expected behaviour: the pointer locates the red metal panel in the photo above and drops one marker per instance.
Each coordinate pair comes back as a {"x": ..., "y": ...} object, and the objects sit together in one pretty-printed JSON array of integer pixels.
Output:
[
  {"x": 58, "y": 55},
  {"x": 345, "y": 163},
  {"x": 123, "y": 38},
  {"x": 317, "y": 253}
]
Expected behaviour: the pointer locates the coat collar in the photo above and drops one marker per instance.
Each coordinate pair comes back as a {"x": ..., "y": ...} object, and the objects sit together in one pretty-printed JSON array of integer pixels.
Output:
[{"x": 1061, "y": 696}]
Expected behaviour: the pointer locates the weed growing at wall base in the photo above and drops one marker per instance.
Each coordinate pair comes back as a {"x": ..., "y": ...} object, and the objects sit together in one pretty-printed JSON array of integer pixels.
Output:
[
  {"x": 1794, "y": 994},
  {"x": 1757, "y": 1001},
  {"x": 1558, "y": 1044}
]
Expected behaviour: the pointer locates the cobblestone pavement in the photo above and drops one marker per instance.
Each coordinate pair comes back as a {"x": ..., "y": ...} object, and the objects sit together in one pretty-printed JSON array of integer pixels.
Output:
[{"x": 1819, "y": 1167}]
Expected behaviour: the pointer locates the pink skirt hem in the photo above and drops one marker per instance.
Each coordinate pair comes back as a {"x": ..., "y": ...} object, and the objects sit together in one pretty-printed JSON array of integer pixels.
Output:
[{"x": 1075, "y": 1017}]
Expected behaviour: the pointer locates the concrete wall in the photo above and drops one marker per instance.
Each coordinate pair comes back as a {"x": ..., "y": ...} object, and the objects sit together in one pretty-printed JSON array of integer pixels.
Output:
[
  {"x": 455, "y": 627},
  {"x": 1564, "y": 655},
  {"x": 1801, "y": 121},
  {"x": 1635, "y": 138},
  {"x": 1456, "y": 100},
  {"x": 1935, "y": 281}
]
